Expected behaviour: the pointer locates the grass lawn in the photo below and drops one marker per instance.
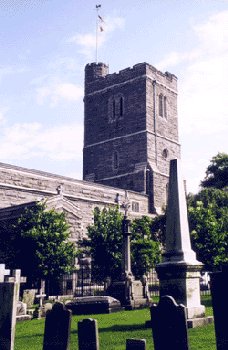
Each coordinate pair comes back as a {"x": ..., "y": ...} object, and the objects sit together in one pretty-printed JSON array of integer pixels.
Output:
[{"x": 114, "y": 329}]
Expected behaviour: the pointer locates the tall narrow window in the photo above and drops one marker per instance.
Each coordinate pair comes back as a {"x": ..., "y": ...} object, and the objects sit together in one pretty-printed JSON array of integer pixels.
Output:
[
  {"x": 121, "y": 106},
  {"x": 165, "y": 107},
  {"x": 115, "y": 160},
  {"x": 160, "y": 105},
  {"x": 114, "y": 109}
]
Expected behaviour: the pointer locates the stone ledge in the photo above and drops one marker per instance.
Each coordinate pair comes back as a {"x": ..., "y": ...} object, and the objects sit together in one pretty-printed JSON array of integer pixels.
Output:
[
  {"x": 23, "y": 318},
  {"x": 199, "y": 322}
]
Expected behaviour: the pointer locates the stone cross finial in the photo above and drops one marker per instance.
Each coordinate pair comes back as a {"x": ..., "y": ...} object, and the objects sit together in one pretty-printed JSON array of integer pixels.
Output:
[
  {"x": 3, "y": 272},
  {"x": 60, "y": 190},
  {"x": 126, "y": 204}
]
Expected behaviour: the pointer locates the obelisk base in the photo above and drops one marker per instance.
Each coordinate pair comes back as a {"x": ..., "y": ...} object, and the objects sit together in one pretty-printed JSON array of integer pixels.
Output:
[{"x": 181, "y": 281}]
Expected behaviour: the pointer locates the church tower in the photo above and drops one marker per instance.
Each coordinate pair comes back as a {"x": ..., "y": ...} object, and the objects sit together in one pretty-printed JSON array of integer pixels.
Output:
[{"x": 130, "y": 129}]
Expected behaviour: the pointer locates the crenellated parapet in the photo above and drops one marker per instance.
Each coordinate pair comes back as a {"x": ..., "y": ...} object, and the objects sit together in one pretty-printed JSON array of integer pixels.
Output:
[{"x": 97, "y": 76}]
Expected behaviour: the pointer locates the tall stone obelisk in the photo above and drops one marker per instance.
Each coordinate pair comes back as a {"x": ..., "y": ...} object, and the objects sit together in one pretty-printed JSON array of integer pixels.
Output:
[{"x": 179, "y": 273}]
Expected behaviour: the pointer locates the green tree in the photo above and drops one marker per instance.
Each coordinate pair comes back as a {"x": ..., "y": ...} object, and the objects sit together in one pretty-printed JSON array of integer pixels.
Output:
[
  {"x": 105, "y": 244},
  {"x": 145, "y": 246},
  {"x": 40, "y": 243},
  {"x": 217, "y": 172},
  {"x": 208, "y": 222}
]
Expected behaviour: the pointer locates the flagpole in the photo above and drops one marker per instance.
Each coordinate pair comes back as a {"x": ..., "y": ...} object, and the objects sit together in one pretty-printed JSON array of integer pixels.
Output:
[{"x": 97, "y": 8}]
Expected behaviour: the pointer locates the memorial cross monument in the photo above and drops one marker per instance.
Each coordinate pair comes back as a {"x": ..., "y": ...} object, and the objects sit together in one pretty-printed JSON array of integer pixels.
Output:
[{"x": 130, "y": 292}]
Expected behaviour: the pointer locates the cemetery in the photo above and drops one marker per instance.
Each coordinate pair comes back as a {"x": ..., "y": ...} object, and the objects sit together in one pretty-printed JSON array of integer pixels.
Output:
[
  {"x": 120, "y": 159},
  {"x": 178, "y": 319}
]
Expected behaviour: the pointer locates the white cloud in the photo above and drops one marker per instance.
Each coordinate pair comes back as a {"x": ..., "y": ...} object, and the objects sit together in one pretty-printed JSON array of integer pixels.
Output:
[
  {"x": 55, "y": 92},
  {"x": 213, "y": 33},
  {"x": 87, "y": 41},
  {"x": 203, "y": 91},
  {"x": 33, "y": 140},
  {"x": 64, "y": 64},
  {"x": 3, "y": 111},
  {"x": 203, "y": 88},
  {"x": 9, "y": 70}
]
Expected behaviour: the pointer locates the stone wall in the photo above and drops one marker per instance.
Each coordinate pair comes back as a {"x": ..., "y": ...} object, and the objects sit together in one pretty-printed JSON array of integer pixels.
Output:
[{"x": 20, "y": 186}]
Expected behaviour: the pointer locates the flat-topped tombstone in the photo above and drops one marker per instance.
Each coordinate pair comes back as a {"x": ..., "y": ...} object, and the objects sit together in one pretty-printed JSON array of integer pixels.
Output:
[
  {"x": 135, "y": 344},
  {"x": 88, "y": 335},
  {"x": 57, "y": 328},
  {"x": 169, "y": 325},
  {"x": 93, "y": 305}
]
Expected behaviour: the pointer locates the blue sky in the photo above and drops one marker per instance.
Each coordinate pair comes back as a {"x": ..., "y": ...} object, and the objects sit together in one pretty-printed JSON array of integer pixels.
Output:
[{"x": 45, "y": 45}]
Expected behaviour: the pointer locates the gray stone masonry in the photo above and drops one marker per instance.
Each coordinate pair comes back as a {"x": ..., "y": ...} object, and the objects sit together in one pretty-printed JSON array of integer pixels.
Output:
[
  {"x": 20, "y": 187},
  {"x": 131, "y": 129}
]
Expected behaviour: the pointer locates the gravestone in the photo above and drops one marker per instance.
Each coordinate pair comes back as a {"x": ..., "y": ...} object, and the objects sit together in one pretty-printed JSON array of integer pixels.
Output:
[
  {"x": 179, "y": 272},
  {"x": 57, "y": 328},
  {"x": 9, "y": 296},
  {"x": 135, "y": 344},
  {"x": 169, "y": 325},
  {"x": 88, "y": 338},
  {"x": 219, "y": 292},
  {"x": 29, "y": 297},
  {"x": 93, "y": 305}
]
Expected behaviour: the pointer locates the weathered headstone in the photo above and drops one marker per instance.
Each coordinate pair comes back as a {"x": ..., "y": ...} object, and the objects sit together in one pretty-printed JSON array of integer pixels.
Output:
[
  {"x": 57, "y": 328},
  {"x": 88, "y": 338},
  {"x": 9, "y": 296},
  {"x": 219, "y": 291},
  {"x": 169, "y": 325},
  {"x": 179, "y": 272},
  {"x": 135, "y": 344},
  {"x": 29, "y": 297}
]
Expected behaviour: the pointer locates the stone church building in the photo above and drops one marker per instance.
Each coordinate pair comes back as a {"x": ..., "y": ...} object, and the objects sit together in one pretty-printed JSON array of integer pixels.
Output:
[{"x": 130, "y": 135}]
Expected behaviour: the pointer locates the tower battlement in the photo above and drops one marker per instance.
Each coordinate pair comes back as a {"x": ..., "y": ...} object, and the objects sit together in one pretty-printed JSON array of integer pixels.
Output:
[{"x": 97, "y": 76}]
